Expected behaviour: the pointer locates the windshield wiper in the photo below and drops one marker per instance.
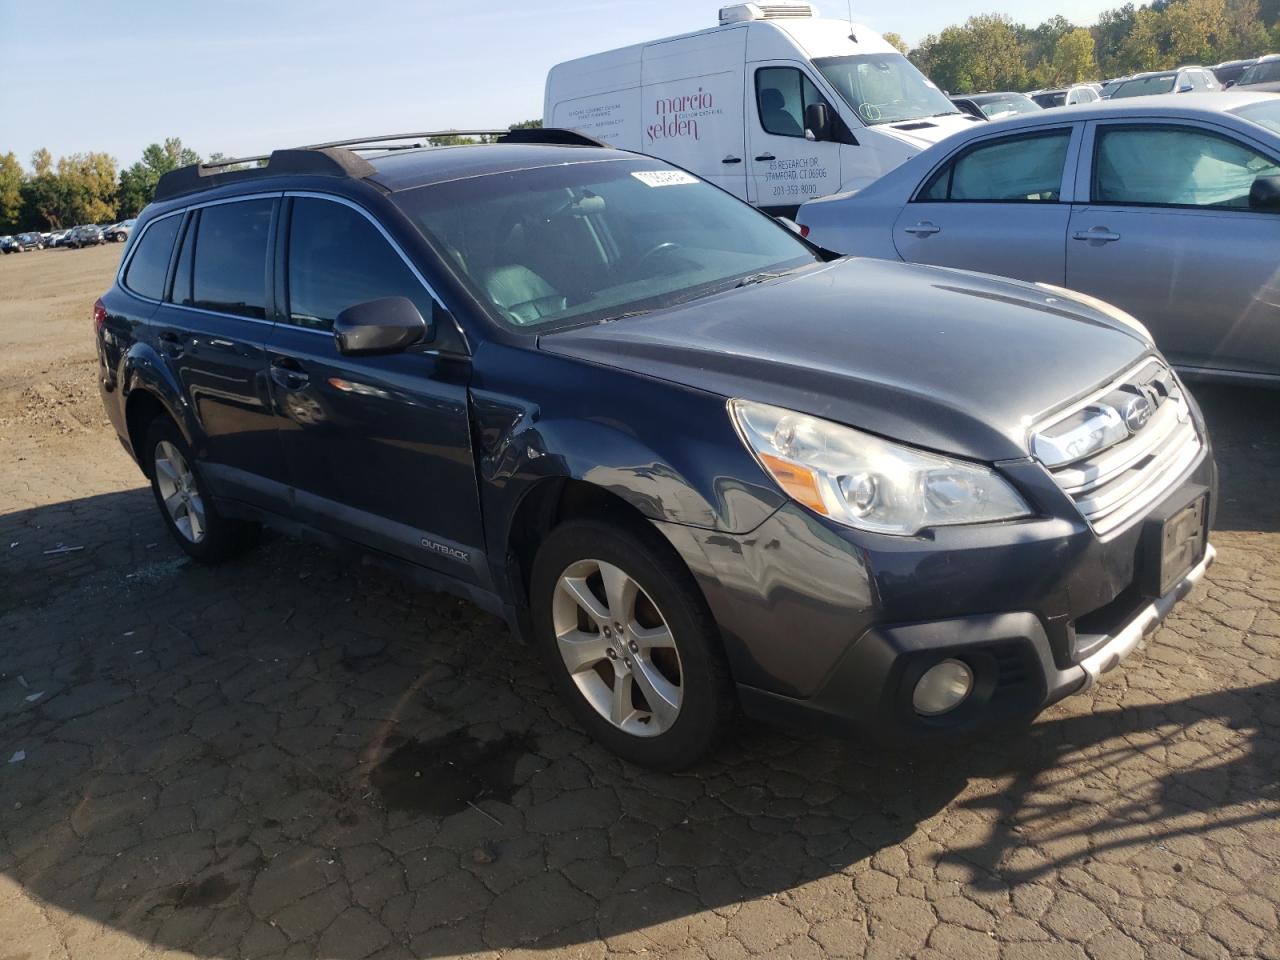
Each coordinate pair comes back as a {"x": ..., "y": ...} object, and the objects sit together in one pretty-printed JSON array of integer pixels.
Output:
[
  {"x": 623, "y": 316},
  {"x": 759, "y": 278}
]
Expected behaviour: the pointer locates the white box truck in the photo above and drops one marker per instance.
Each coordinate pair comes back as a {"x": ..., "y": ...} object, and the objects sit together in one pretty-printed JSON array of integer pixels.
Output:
[{"x": 775, "y": 104}]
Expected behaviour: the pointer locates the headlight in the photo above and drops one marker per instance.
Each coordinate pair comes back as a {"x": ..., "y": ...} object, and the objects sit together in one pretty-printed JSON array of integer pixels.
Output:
[
  {"x": 865, "y": 482},
  {"x": 1107, "y": 309}
]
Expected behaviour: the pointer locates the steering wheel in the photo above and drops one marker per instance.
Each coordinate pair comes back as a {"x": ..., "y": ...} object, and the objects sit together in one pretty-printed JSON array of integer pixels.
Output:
[{"x": 667, "y": 246}]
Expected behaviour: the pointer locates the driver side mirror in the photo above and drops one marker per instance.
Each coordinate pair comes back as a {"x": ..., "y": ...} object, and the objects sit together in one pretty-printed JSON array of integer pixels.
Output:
[
  {"x": 817, "y": 122},
  {"x": 377, "y": 327},
  {"x": 1265, "y": 194},
  {"x": 1186, "y": 88}
]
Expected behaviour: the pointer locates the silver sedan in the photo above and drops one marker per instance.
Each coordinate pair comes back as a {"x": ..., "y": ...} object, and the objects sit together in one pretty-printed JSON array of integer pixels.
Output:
[{"x": 1167, "y": 207}]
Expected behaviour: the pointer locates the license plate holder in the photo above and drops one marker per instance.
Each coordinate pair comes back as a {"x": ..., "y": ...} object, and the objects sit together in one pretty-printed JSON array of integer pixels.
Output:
[{"x": 1175, "y": 541}]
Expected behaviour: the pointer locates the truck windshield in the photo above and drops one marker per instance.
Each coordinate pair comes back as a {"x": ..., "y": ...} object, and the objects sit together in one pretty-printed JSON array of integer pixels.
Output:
[
  {"x": 577, "y": 243},
  {"x": 884, "y": 88}
]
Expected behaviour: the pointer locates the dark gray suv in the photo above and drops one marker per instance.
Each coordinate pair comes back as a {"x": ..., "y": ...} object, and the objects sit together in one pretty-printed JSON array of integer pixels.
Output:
[{"x": 698, "y": 463}]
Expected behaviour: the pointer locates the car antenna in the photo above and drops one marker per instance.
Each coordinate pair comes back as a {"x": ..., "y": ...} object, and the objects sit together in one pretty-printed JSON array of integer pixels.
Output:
[{"x": 852, "y": 36}]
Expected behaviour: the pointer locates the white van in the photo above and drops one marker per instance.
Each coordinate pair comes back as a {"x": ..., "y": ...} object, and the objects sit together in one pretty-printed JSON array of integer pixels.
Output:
[{"x": 775, "y": 104}]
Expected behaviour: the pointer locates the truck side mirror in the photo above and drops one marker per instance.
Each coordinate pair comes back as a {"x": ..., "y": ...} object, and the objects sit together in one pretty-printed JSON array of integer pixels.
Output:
[
  {"x": 817, "y": 122},
  {"x": 1265, "y": 194}
]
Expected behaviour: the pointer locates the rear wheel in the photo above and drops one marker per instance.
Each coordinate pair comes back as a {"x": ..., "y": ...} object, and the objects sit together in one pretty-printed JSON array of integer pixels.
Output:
[
  {"x": 184, "y": 501},
  {"x": 630, "y": 644}
]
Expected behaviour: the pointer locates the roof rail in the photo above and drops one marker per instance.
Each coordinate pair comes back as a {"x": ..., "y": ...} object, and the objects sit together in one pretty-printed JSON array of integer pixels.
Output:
[{"x": 340, "y": 158}]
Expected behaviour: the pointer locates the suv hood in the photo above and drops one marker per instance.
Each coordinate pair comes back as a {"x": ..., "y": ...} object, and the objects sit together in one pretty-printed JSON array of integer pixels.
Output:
[{"x": 953, "y": 361}]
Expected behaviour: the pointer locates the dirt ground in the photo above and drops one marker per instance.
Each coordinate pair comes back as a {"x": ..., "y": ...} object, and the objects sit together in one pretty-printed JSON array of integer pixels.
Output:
[{"x": 295, "y": 756}]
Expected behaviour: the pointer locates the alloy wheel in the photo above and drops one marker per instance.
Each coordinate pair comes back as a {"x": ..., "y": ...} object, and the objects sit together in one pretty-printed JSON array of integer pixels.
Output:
[
  {"x": 177, "y": 485},
  {"x": 618, "y": 648}
]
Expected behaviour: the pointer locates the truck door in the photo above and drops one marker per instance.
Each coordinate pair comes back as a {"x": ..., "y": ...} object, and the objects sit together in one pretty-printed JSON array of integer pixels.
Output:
[
  {"x": 784, "y": 167},
  {"x": 692, "y": 94}
]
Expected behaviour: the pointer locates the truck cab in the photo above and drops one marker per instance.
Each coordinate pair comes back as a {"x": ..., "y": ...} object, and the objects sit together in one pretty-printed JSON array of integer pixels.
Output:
[{"x": 774, "y": 104}]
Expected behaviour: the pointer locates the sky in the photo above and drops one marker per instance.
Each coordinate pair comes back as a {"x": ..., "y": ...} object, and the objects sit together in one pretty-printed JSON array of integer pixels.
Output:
[{"x": 242, "y": 77}]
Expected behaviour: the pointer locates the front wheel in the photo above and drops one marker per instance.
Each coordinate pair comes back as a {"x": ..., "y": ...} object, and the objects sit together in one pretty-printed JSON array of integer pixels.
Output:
[
  {"x": 630, "y": 644},
  {"x": 184, "y": 501}
]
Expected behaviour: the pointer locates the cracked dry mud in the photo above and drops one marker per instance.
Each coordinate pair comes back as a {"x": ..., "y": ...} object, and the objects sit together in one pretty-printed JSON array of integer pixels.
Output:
[{"x": 299, "y": 756}]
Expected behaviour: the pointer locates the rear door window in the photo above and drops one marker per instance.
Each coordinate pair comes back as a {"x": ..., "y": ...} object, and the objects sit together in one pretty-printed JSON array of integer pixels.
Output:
[
  {"x": 229, "y": 266},
  {"x": 337, "y": 259},
  {"x": 1013, "y": 170},
  {"x": 149, "y": 266},
  {"x": 1175, "y": 166}
]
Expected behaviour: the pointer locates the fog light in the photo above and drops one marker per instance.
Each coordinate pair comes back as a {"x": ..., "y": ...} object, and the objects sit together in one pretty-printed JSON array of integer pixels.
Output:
[{"x": 942, "y": 688}]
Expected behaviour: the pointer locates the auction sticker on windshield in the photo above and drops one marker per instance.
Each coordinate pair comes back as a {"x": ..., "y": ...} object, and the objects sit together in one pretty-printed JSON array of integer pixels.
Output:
[{"x": 663, "y": 178}]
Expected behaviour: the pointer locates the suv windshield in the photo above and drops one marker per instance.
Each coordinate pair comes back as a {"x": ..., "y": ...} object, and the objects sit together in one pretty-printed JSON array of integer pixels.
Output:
[
  {"x": 1146, "y": 86},
  {"x": 1268, "y": 71},
  {"x": 584, "y": 242},
  {"x": 884, "y": 88}
]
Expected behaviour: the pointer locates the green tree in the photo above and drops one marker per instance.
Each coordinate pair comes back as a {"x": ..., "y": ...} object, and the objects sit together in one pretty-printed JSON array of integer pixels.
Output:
[
  {"x": 138, "y": 182},
  {"x": 895, "y": 40},
  {"x": 528, "y": 125},
  {"x": 11, "y": 178},
  {"x": 1073, "y": 59},
  {"x": 89, "y": 186},
  {"x": 986, "y": 53}
]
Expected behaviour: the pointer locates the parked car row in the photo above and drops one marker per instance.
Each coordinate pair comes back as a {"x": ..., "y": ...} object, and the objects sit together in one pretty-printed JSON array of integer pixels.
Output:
[{"x": 86, "y": 235}]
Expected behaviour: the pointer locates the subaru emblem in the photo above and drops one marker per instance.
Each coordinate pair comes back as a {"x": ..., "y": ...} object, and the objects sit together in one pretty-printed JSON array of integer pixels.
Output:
[{"x": 1136, "y": 413}]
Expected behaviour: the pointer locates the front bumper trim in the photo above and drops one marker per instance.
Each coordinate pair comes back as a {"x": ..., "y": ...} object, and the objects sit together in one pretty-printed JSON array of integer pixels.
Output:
[{"x": 1120, "y": 646}]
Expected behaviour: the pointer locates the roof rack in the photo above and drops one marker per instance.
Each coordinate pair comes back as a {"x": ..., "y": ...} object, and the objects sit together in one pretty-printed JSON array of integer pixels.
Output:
[{"x": 340, "y": 158}]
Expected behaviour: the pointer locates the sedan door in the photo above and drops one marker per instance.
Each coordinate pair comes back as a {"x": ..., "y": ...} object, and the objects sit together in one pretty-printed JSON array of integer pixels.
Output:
[
  {"x": 379, "y": 447},
  {"x": 997, "y": 206},
  {"x": 1167, "y": 234}
]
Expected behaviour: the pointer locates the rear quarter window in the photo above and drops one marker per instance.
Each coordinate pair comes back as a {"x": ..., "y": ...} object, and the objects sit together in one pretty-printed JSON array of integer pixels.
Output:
[{"x": 149, "y": 265}]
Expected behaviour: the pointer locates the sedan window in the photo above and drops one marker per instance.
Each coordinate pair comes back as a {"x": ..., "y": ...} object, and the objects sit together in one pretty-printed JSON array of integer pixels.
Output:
[
  {"x": 1175, "y": 166},
  {"x": 1013, "y": 170}
]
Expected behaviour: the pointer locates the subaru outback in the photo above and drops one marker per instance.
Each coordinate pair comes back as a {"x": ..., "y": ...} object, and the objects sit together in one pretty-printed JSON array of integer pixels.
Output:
[{"x": 700, "y": 465}]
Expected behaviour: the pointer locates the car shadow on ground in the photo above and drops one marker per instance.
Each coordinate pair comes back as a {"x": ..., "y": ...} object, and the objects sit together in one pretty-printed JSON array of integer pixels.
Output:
[{"x": 298, "y": 749}]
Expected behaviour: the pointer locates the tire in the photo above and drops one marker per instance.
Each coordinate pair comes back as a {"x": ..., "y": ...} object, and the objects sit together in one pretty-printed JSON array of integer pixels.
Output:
[
  {"x": 194, "y": 522},
  {"x": 684, "y": 665}
]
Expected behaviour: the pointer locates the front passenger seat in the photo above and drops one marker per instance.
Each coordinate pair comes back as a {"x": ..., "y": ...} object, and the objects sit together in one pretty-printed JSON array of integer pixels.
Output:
[{"x": 524, "y": 295}]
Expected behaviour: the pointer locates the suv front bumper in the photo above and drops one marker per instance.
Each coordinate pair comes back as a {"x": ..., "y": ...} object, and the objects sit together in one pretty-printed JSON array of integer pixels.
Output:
[{"x": 830, "y": 627}]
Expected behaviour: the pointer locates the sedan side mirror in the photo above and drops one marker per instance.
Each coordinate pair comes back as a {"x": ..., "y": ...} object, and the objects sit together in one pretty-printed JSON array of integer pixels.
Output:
[
  {"x": 817, "y": 122},
  {"x": 1186, "y": 88},
  {"x": 1265, "y": 194},
  {"x": 1229, "y": 84},
  {"x": 387, "y": 325}
]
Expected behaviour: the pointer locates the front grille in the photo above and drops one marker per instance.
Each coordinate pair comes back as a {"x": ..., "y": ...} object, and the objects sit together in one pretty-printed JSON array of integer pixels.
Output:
[{"x": 1119, "y": 451}]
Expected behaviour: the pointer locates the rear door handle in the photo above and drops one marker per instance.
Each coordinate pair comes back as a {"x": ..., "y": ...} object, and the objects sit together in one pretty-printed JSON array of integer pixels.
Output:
[
  {"x": 288, "y": 374},
  {"x": 172, "y": 342},
  {"x": 923, "y": 229},
  {"x": 1098, "y": 234},
  {"x": 731, "y": 159},
  {"x": 765, "y": 157}
]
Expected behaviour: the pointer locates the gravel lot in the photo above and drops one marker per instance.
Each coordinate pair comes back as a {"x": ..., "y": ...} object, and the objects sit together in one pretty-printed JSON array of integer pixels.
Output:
[{"x": 298, "y": 756}]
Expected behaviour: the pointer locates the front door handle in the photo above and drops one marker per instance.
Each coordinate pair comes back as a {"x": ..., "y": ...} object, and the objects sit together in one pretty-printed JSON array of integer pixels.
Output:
[
  {"x": 288, "y": 374},
  {"x": 1096, "y": 234},
  {"x": 924, "y": 228},
  {"x": 731, "y": 159},
  {"x": 764, "y": 157}
]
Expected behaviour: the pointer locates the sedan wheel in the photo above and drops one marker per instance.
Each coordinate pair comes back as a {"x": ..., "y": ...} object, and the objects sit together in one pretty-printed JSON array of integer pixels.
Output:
[
  {"x": 618, "y": 648},
  {"x": 177, "y": 487}
]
